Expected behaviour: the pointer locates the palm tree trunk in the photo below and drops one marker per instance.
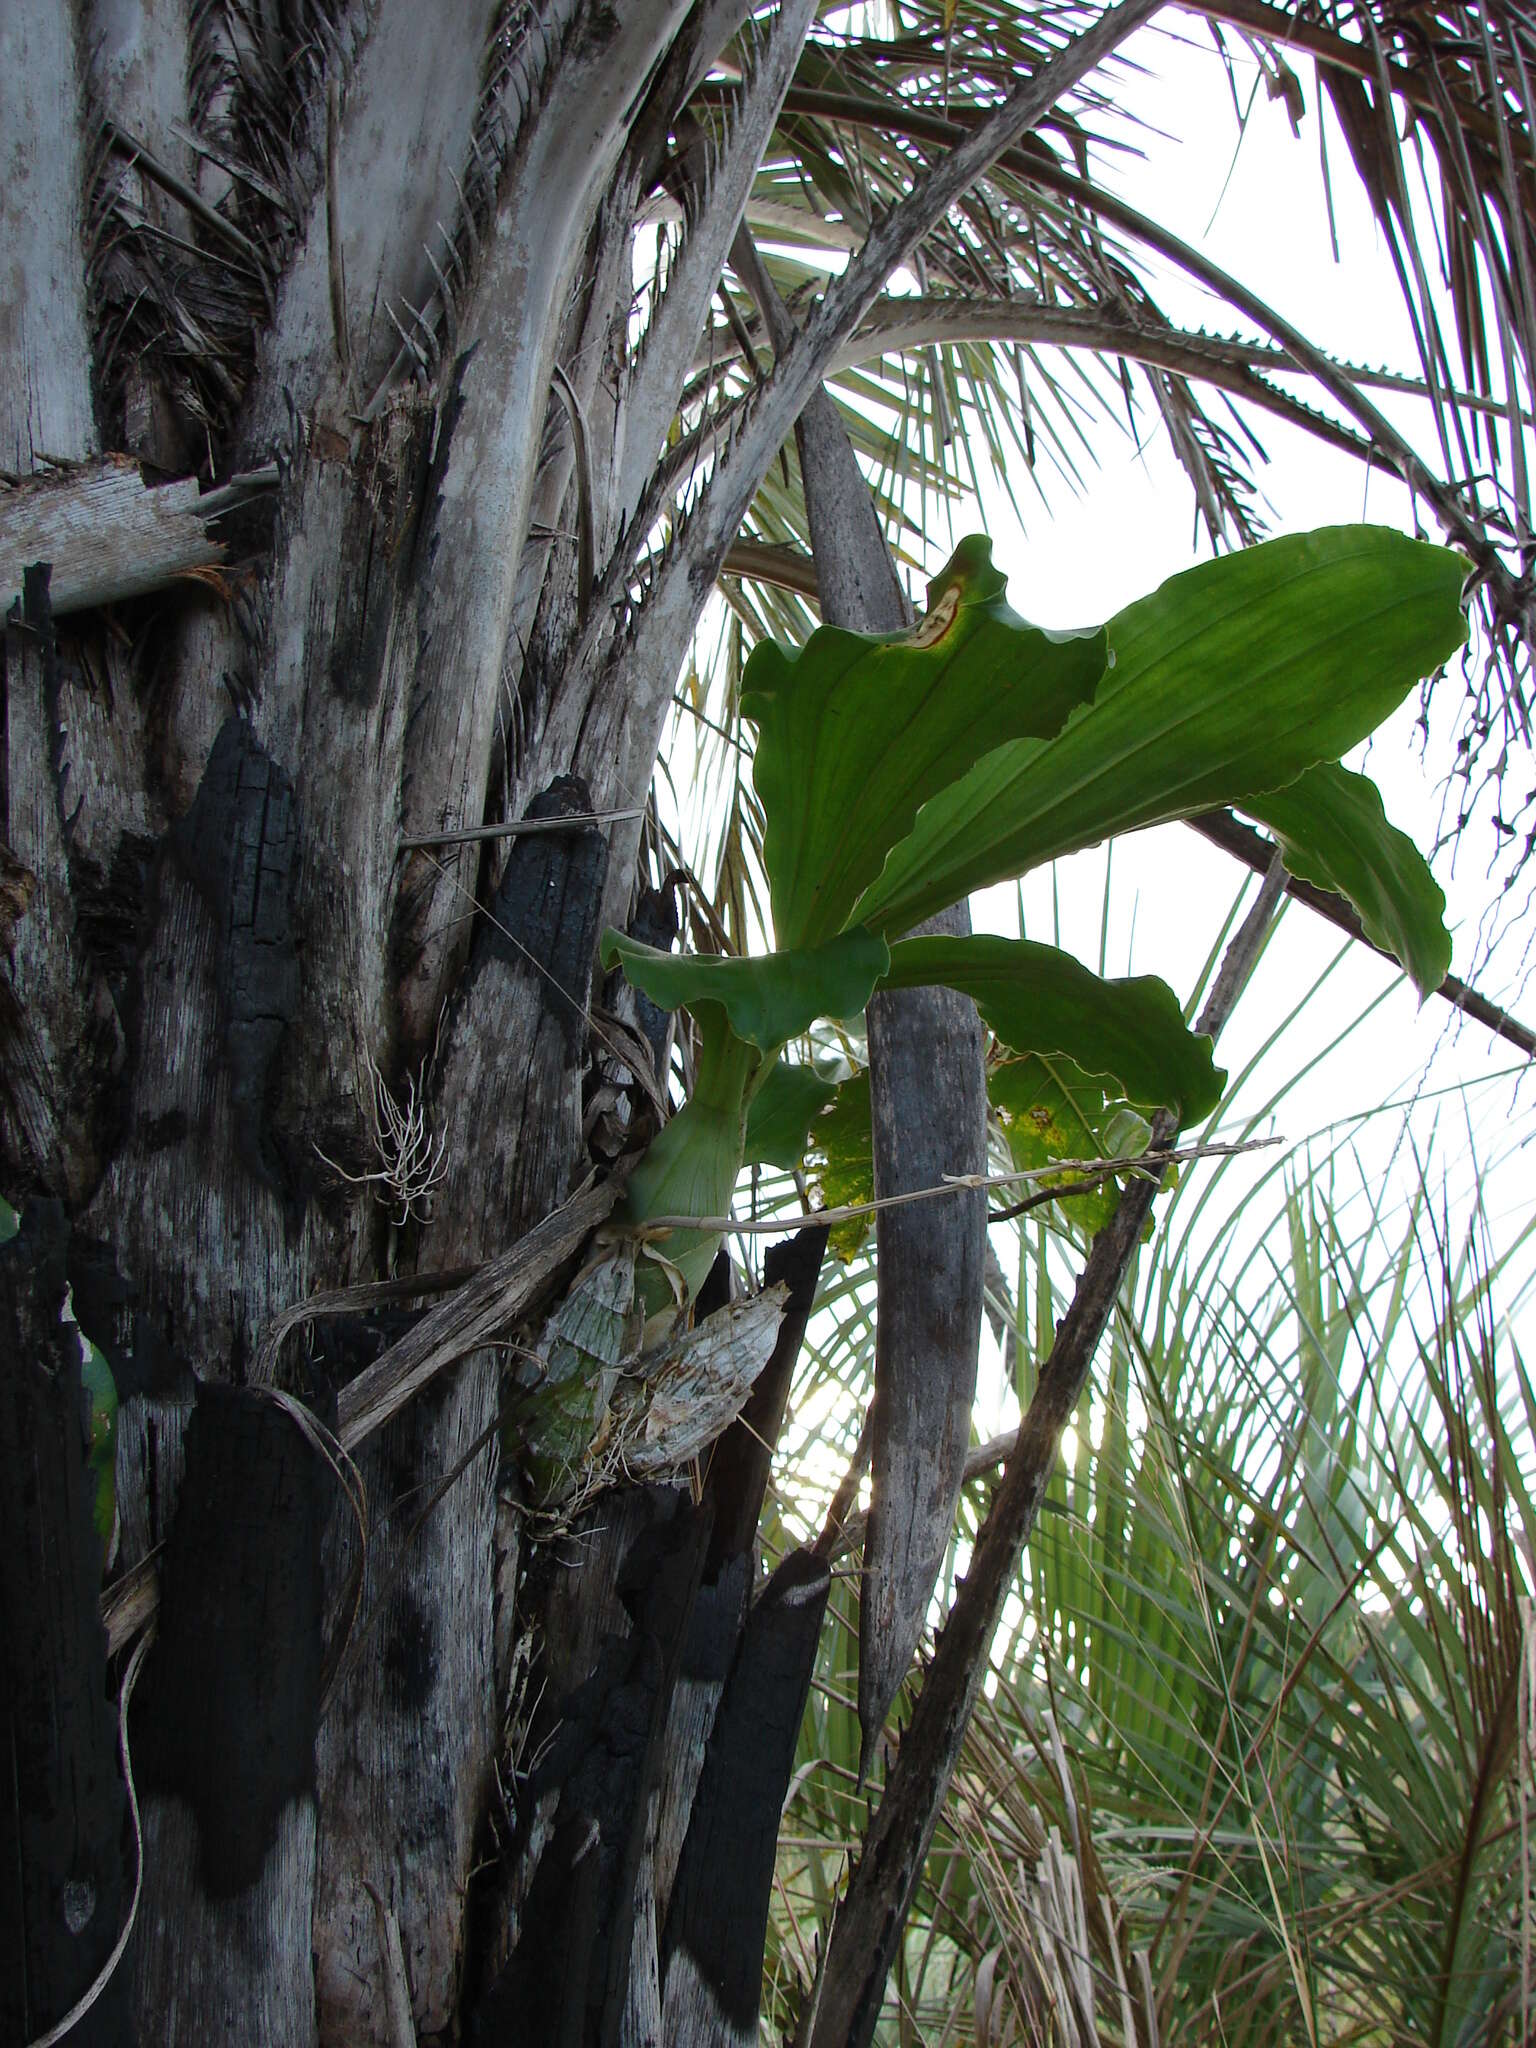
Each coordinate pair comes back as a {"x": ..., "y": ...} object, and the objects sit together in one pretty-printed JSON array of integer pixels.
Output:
[{"x": 225, "y": 959}]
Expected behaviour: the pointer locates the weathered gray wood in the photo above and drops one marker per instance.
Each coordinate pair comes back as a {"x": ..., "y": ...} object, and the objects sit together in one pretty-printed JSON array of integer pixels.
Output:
[
  {"x": 712, "y": 214},
  {"x": 928, "y": 1107},
  {"x": 406, "y": 1752},
  {"x": 239, "y": 1965},
  {"x": 405, "y": 1746},
  {"x": 45, "y": 393},
  {"x": 640, "y": 2026},
  {"x": 487, "y": 457},
  {"x": 407, "y": 108},
  {"x": 481, "y": 1309},
  {"x": 138, "y": 78},
  {"x": 57, "y": 1013}
]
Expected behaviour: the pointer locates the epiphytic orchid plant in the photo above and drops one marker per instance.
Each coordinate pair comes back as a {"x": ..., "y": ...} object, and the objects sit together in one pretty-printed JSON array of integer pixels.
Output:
[{"x": 898, "y": 773}]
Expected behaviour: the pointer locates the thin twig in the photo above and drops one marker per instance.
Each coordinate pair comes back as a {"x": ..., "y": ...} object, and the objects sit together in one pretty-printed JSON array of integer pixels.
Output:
[
  {"x": 335, "y": 255},
  {"x": 343, "y": 1301},
  {"x": 840, "y": 1513},
  {"x": 103, "y": 1977},
  {"x": 1148, "y": 1165},
  {"x": 471, "y": 835}
]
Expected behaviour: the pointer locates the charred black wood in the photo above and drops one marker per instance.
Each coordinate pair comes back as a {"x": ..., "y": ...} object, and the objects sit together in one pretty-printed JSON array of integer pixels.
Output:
[
  {"x": 566, "y": 1981},
  {"x": 716, "y": 1290},
  {"x": 141, "y": 1359},
  {"x": 114, "y": 910},
  {"x": 37, "y": 619},
  {"x": 712, "y": 1951},
  {"x": 741, "y": 1460},
  {"x": 546, "y": 906},
  {"x": 226, "y": 1712},
  {"x": 239, "y": 847},
  {"x": 621, "y": 1103},
  {"x": 655, "y": 923},
  {"x": 340, "y": 1347},
  {"x": 65, "y": 1856},
  {"x": 709, "y": 1650}
]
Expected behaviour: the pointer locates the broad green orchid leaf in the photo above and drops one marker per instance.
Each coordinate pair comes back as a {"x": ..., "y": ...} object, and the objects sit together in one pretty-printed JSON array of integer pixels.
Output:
[
  {"x": 781, "y": 1113},
  {"x": 767, "y": 1000},
  {"x": 1050, "y": 1109},
  {"x": 1036, "y": 999},
  {"x": 857, "y": 731},
  {"x": 843, "y": 1162},
  {"x": 1333, "y": 831},
  {"x": 1233, "y": 678}
]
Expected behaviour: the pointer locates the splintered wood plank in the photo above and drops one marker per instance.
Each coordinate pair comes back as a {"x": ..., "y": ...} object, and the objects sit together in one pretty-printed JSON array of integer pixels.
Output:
[{"x": 108, "y": 535}]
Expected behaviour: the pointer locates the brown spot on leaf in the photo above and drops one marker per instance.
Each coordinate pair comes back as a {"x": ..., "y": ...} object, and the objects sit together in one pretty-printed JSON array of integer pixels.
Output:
[{"x": 938, "y": 620}]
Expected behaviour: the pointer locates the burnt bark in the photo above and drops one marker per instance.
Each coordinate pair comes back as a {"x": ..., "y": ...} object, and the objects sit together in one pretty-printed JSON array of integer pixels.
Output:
[
  {"x": 226, "y": 1713},
  {"x": 568, "y": 1980},
  {"x": 238, "y": 847},
  {"x": 712, "y": 1965},
  {"x": 65, "y": 1852}
]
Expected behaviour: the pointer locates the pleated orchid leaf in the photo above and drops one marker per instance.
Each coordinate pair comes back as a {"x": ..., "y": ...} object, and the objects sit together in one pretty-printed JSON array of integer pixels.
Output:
[
  {"x": 1231, "y": 679},
  {"x": 1334, "y": 831},
  {"x": 857, "y": 731}
]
